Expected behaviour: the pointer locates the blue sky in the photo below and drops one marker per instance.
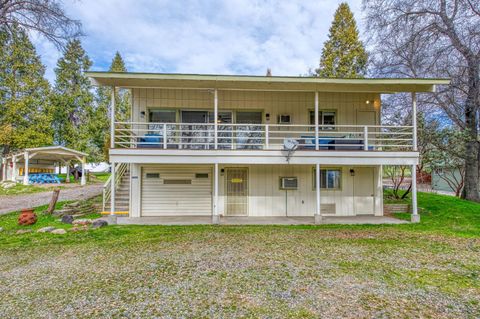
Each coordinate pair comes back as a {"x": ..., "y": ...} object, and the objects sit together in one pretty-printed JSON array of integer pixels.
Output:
[{"x": 192, "y": 36}]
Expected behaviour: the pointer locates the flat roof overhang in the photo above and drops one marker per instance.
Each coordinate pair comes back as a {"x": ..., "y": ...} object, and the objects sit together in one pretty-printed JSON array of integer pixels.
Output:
[
  {"x": 262, "y": 83},
  {"x": 234, "y": 157}
]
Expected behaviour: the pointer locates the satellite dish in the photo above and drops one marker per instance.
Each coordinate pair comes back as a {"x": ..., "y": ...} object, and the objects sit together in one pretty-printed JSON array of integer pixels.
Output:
[{"x": 290, "y": 144}]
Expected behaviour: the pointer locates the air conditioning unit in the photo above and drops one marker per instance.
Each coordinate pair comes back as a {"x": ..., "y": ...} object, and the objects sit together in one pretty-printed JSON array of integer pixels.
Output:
[
  {"x": 284, "y": 119},
  {"x": 288, "y": 183}
]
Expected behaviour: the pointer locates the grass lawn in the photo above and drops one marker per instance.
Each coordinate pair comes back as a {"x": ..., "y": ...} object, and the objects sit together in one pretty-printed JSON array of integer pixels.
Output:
[{"x": 426, "y": 270}]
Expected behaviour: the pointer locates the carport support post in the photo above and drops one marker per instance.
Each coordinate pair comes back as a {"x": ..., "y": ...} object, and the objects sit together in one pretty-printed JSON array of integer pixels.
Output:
[
  {"x": 215, "y": 216},
  {"x": 67, "y": 178},
  {"x": 4, "y": 169},
  {"x": 83, "y": 180},
  {"x": 14, "y": 168},
  {"x": 415, "y": 216},
  {"x": 25, "y": 172},
  {"x": 318, "y": 211}
]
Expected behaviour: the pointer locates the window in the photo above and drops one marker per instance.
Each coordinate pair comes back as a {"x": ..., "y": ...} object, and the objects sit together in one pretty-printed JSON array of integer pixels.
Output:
[
  {"x": 162, "y": 116},
  {"x": 324, "y": 118},
  {"x": 329, "y": 178},
  {"x": 152, "y": 175},
  {"x": 201, "y": 175},
  {"x": 249, "y": 117}
]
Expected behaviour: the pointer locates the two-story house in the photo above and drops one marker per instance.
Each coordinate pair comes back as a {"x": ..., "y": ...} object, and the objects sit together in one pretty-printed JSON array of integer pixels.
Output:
[{"x": 256, "y": 146}]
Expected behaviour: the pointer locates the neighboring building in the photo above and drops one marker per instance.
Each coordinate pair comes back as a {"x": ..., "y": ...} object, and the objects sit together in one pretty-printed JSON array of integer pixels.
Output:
[{"x": 212, "y": 145}]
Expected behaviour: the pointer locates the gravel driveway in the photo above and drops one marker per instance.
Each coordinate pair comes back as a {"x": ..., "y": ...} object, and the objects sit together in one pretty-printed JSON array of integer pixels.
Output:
[{"x": 12, "y": 203}]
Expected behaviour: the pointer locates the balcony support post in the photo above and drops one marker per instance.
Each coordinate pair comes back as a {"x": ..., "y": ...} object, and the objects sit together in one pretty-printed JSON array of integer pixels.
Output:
[
  {"x": 316, "y": 122},
  {"x": 164, "y": 136},
  {"x": 112, "y": 119},
  {"x": 267, "y": 136},
  {"x": 415, "y": 217},
  {"x": 365, "y": 138},
  {"x": 318, "y": 210},
  {"x": 215, "y": 215},
  {"x": 215, "y": 118},
  {"x": 414, "y": 121},
  {"x": 112, "y": 189}
]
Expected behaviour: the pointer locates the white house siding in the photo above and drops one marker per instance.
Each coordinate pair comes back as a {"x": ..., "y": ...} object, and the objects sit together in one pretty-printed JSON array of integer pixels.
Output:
[
  {"x": 296, "y": 104},
  {"x": 265, "y": 196}
]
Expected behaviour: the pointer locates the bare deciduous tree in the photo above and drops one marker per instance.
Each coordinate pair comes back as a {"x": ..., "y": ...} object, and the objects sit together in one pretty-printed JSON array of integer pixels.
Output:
[
  {"x": 46, "y": 17},
  {"x": 434, "y": 38}
]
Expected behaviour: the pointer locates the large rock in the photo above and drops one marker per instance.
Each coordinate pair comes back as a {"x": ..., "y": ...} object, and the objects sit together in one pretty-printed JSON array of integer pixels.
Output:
[
  {"x": 82, "y": 222},
  {"x": 67, "y": 219},
  {"x": 9, "y": 185},
  {"x": 1, "y": 229},
  {"x": 47, "y": 229},
  {"x": 99, "y": 223},
  {"x": 59, "y": 231}
]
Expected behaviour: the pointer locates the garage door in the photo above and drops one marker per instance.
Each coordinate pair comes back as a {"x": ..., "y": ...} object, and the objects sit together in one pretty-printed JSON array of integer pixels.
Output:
[{"x": 176, "y": 190}]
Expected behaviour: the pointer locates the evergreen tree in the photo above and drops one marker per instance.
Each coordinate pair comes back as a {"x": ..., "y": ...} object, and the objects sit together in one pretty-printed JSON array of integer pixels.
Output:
[
  {"x": 25, "y": 117},
  {"x": 73, "y": 100},
  {"x": 100, "y": 122},
  {"x": 343, "y": 54}
]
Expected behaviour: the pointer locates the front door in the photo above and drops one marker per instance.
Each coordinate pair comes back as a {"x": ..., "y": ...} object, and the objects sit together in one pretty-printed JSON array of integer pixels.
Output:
[
  {"x": 364, "y": 191},
  {"x": 236, "y": 191}
]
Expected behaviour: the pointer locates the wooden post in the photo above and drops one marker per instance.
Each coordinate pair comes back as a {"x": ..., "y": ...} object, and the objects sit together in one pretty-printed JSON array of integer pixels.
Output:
[
  {"x": 4, "y": 169},
  {"x": 415, "y": 216},
  {"x": 215, "y": 216},
  {"x": 53, "y": 201},
  {"x": 112, "y": 189},
  {"x": 67, "y": 178}
]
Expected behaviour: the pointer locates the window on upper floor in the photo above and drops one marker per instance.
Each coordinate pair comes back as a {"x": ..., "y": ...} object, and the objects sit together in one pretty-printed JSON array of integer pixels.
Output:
[
  {"x": 162, "y": 116},
  {"x": 325, "y": 117}
]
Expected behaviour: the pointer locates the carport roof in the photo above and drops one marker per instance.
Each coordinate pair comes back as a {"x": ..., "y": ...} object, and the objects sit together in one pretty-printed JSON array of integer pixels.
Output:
[{"x": 50, "y": 153}]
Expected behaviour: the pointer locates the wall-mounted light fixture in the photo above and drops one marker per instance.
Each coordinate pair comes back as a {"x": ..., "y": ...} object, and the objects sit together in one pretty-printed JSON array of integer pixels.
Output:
[
  {"x": 367, "y": 102},
  {"x": 222, "y": 171},
  {"x": 352, "y": 172},
  {"x": 267, "y": 117},
  {"x": 142, "y": 114}
]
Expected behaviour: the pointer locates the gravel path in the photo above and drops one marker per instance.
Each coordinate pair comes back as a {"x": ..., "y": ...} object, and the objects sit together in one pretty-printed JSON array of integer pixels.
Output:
[{"x": 12, "y": 203}]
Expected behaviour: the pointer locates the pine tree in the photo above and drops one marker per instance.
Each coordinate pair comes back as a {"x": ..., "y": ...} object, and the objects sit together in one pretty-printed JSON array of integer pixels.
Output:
[
  {"x": 25, "y": 117},
  {"x": 73, "y": 100},
  {"x": 343, "y": 54}
]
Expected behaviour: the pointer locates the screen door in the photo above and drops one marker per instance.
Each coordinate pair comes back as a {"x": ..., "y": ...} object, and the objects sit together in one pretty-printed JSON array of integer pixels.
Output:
[{"x": 237, "y": 191}]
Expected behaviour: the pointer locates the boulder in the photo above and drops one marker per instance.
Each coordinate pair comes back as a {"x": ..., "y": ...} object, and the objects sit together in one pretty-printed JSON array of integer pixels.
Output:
[
  {"x": 47, "y": 229},
  {"x": 59, "y": 231},
  {"x": 79, "y": 228},
  {"x": 1, "y": 229},
  {"x": 8, "y": 185},
  {"x": 99, "y": 223},
  {"x": 82, "y": 221},
  {"x": 67, "y": 219},
  {"x": 23, "y": 231}
]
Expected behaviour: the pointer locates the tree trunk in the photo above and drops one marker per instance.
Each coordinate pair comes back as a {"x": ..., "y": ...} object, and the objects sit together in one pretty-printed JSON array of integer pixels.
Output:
[
  {"x": 472, "y": 146},
  {"x": 53, "y": 201}
]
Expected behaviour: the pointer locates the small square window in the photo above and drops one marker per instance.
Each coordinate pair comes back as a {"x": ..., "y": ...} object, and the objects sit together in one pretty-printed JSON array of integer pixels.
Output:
[
  {"x": 329, "y": 178},
  {"x": 201, "y": 175},
  {"x": 152, "y": 175}
]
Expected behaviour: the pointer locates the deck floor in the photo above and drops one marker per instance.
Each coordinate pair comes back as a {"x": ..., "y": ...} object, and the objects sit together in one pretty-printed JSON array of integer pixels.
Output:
[{"x": 206, "y": 220}]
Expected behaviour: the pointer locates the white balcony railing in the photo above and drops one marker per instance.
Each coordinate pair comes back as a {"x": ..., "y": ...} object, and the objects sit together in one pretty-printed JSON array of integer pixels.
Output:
[{"x": 200, "y": 136}]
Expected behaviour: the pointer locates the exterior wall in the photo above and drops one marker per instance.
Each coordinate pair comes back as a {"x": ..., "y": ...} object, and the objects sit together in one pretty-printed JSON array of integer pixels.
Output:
[
  {"x": 267, "y": 199},
  {"x": 297, "y": 104}
]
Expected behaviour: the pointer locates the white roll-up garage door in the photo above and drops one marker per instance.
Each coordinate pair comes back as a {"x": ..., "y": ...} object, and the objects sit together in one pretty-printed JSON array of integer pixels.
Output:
[{"x": 176, "y": 190}]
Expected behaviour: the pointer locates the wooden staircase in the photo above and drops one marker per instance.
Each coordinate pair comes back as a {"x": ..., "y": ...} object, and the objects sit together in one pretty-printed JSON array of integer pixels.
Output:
[{"x": 122, "y": 192}]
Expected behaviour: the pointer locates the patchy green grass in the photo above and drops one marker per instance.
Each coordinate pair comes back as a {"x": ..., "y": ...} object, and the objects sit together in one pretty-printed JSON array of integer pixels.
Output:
[
  {"x": 101, "y": 177},
  {"x": 426, "y": 270},
  {"x": 20, "y": 189}
]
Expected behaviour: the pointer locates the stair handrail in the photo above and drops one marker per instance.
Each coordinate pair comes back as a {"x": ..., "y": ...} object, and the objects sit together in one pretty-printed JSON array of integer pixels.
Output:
[{"x": 120, "y": 170}]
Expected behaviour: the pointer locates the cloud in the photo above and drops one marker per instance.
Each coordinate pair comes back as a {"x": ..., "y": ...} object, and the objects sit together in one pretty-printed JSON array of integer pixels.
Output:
[{"x": 193, "y": 36}]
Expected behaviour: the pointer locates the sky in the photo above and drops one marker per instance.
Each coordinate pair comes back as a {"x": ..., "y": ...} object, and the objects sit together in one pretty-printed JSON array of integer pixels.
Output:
[{"x": 209, "y": 36}]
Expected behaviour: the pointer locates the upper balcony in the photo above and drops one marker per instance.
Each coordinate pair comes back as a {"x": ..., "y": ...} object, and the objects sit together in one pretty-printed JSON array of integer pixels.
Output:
[{"x": 243, "y": 137}]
